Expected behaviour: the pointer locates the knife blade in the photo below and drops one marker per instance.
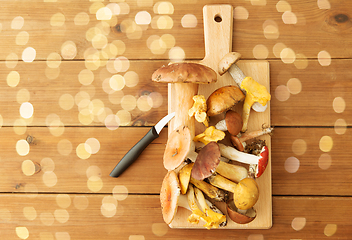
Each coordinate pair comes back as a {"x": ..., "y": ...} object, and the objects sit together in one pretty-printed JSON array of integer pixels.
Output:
[{"x": 138, "y": 148}]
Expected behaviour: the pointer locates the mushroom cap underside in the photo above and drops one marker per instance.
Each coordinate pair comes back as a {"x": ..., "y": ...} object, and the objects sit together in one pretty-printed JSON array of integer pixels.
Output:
[
  {"x": 169, "y": 195},
  {"x": 227, "y": 61},
  {"x": 185, "y": 73}
]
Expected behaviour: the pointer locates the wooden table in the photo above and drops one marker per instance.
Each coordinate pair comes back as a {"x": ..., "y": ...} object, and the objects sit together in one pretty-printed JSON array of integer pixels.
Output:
[{"x": 76, "y": 95}]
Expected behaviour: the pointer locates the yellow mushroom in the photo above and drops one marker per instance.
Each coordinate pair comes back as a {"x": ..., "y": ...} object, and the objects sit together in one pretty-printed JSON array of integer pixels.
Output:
[
  {"x": 199, "y": 110},
  {"x": 211, "y": 134},
  {"x": 255, "y": 93}
]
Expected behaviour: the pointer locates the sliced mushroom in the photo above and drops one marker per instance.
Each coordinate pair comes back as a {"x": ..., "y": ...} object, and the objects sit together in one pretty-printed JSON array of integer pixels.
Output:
[{"x": 240, "y": 216}]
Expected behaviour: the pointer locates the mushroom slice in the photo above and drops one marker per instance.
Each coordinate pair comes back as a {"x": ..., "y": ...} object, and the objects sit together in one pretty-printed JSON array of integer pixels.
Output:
[
  {"x": 239, "y": 216},
  {"x": 184, "y": 175},
  {"x": 169, "y": 196},
  {"x": 224, "y": 98},
  {"x": 178, "y": 145}
]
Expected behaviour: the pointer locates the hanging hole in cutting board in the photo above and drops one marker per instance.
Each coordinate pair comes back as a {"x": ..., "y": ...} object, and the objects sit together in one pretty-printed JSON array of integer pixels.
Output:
[{"x": 217, "y": 18}]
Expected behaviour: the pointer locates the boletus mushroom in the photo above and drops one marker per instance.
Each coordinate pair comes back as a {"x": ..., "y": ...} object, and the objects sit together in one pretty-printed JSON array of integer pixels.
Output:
[{"x": 232, "y": 123}]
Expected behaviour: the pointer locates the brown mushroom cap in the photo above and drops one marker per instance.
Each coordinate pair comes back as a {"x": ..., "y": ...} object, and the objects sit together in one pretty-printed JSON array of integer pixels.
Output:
[
  {"x": 186, "y": 73},
  {"x": 236, "y": 142},
  {"x": 226, "y": 62},
  {"x": 207, "y": 161},
  {"x": 169, "y": 195},
  {"x": 238, "y": 217},
  {"x": 246, "y": 194},
  {"x": 234, "y": 122},
  {"x": 224, "y": 98}
]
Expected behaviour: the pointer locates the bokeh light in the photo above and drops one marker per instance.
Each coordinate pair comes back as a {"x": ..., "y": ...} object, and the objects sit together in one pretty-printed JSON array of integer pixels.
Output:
[{"x": 298, "y": 223}]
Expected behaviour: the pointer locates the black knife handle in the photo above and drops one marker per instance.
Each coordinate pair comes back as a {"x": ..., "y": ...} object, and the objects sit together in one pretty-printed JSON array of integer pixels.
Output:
[{"x": 134, "y": 153}]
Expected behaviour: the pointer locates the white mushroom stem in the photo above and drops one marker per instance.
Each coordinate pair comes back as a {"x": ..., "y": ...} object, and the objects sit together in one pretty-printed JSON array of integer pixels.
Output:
[
  {"x": 234, "y": 154},
  {"x": 238, "y": 76},
  {"x": 221, "y": 125},
  {"x": 249, "y": 135}
]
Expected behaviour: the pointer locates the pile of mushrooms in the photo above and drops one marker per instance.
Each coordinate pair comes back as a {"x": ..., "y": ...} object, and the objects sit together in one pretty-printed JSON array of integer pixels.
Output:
[{"x": 204, "y": 169}]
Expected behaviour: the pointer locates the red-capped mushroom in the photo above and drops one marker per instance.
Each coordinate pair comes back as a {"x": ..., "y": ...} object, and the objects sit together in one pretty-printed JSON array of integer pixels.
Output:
[{"x": 258, "y": 163}]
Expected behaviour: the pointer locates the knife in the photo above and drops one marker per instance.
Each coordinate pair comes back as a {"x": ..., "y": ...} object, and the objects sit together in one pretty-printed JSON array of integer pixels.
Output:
[{"x": 137, "y": 149}]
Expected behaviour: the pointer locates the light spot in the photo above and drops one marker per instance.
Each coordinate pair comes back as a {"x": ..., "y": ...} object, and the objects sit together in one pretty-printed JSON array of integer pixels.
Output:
[
  {"x": 340, "y": 126},
  {"x": 131, "y": 79},
  {"x": 124, "y": 116},
  {"x": 47, "y": 218},
  {"x": 26, "y": 110},
  {"x": 128, "y": 102},
  {"x": 271, "y": 32},
  {"x": 63, "y": 200},
  {"x": 22, "y": 38},
  {"x": 283, "y": 6},
  {"x": 143, "y": 18},
  {"x": 94, "y": 145},
  {"x": 326, "y": 143},
  {"x": 330, "y": 230},
  {"x": 292, "y": 164},
  {"x": 117, "y": 82},
  {"x": 13, "y": 79},
  {"x": 164, "y": 22},
  {"x": 281, "y": 93},
  {"x": 68, "y": 50},
  {"x": 5, "y": 214},
  {"x": 240, "y": 13},
  {"x": 46, "y": 235},
  {"x": 136, "y": 237},
  {"x": 108, "y": 210},
  {"x": 324, "y": 161},
  {"x": 81, "y": 202},
  {"x": 57, "y": 20},
  {"x": 156, "y": 99},
  {"x": 99, "y": 41},
  {"x": 81, "y": 151},
  {"x": 323, "y": 4},
  {"x": 85, "y": 117},
  {"x": 11, "y": 60},
  {"x": 57, "y": 128},
  {"x": 255, "y": 237},
  {"x": 144, "y": 104},
  {"x": 81, "y": 19},
  {"x": 93, "y": 171},
  {"x": 289, "y": 17},
  {"x": 144, "y": 3},
  {"x": 29, "y": 167},
  {"x": 29, "y": 54},
  {"x": 163, "y": 8},
  {"x": 86, "y": 77},
  {"x": 120, "y": 192},
  {"x": 52, "y": 73},
  {"x": 277, "y": 49},
  {"x": 160, "y": 229},
  {"x": 53, "y": 60},
  {"x": 299, "y": 146},
  {"x": 103, "y": 13},
  {"x": 324, "y": 58},
  {"x": 298, "y": 223},
  {"x": 121, "y": 64},
  {"x": 49, "y": 179},
  {"x": 22, "y": 147},
  {"x": 62, "y": 236},
  {"x": 157, "y": 46},
  {"x": 294, "y": 86},
  {"x": 260, "y": 51},
  {"x": 168, "y": 40},
  {"x": 30, "y": 213},
  {"x": 258, "y": 2},
  {"x": 17, "y": 23},
  {"x": 61, "y": 215},
  {"x": 177, "y": 54},
  {"x": 287, "y": 55},
  {"x": 64, "y": 147},
  {"x": 66, "y": 101},
  {"x": 124, "y": 8},
  {"x": 22, "y": 232},
  {"x": 112, "y": 122},
  {"x": 189, "y": 21},
  {"x": 95, "y": 184},
  {"x": 32, "y": 189},
  {"x": 339, "y": 105},
  {"x": 47, "y": 165},
  {"x": 301, "y": 61}
]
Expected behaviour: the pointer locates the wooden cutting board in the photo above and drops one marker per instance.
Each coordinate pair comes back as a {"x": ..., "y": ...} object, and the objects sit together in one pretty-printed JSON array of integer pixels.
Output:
[{"x": 218, "y": 26}]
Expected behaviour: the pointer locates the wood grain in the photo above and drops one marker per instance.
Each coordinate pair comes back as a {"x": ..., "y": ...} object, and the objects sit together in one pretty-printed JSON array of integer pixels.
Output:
[{"x": 290, "y": 216}]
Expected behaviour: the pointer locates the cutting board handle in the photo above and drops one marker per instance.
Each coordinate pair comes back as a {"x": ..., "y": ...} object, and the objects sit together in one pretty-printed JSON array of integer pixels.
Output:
[{"x": 218, "y": 26}]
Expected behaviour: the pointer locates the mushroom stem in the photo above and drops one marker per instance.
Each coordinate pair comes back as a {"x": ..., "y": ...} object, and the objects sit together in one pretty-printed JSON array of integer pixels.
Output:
[
  {"x": 234, "y": 154},
  {"x": 222, "y": 182},
  {"x": 231, "y": 171},
  {"x": 209, "y": 190},
  {"x": 249, "y": 135}
]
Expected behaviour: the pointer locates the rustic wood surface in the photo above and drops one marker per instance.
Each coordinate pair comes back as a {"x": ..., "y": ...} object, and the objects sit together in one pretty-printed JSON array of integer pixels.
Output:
[{"x": 67, "y": 117}]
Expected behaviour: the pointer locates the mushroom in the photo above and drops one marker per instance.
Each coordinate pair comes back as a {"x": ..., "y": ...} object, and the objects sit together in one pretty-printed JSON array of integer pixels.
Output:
[
  {"x": 255, "y": 92},
  {"x": 211, "y": 134},
  {"x": 185, "y": 77},
  {"x": 245, "y": 193},
  {"x": 184, "y": 175},
  {"x": 232, "y": 123},
  {"x": 208, "y": 162},
  {"x": 209, "y": 190},
  {"x": 240, "y": 142},
  {"x": 240, "y": 216},
  {"x": 228, "y": 64},
  {"x": 179, "y": 145},
  {"x": 199, "y": 110},
  {"x": 257, "y": 164},
  {"x": 223, "y": 98}
]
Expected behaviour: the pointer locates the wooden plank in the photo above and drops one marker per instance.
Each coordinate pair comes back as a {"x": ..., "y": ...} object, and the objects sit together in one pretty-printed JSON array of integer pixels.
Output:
[
  {"x": 307, "y": 22},
  {"x": 86, "y": 216},
  {"x": 296, "y": 93},
  {"x": 318, "y": 172}
]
